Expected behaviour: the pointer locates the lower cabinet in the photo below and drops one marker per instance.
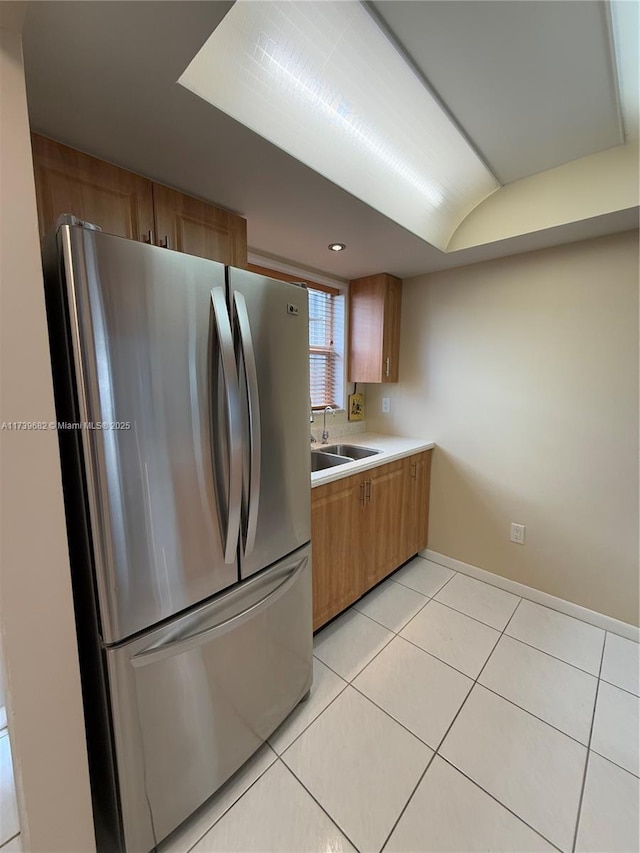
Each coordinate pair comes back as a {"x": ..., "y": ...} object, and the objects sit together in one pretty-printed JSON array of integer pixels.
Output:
[
  {"x": 382, "y": 549},
  {"x": 365, "y": 526},
  {"x": 337, "y": 513},
  {"x": 415, "y": 510}
]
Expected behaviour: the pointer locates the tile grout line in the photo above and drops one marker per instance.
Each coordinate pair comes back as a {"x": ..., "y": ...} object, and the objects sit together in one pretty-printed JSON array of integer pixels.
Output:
[
  {"x": 496, "y": 800},
  {"x": 586, "y": 763},
  {"x": 391, "y": 717},
  {"x": 524, "y": 642},
  {"x": 404, "y": 808},
  {"x": 349, "y": 682},
  {"x": 397, "y": 633},
  {"x": 390, "y": 630},
  {"x": 457, "y": 714},
  {"x": 455, "y": 609},
  {"x": 226, "y": 811},
  {"x": 465, "y": 675},
  {"x": 317, "y": 717},
  {"x": 617, "y": 686},
  {"x": 531, "y": 600},
  {"x": 462, "y": 613},
  {"x": 449, "y": 666},
  {"x": 320, "y": 806},
  {"x": 430, "y": 597},
  {"x": 279, "y": 756},
  {"x": 475, "y": 681},
  {"x": 277, "y": 759},
  {"x": 555, "y": 657},
  {"x": 531, "y": 714},
  {"x": 615, "y": 763},
  {"x": 440, "y": 660}
]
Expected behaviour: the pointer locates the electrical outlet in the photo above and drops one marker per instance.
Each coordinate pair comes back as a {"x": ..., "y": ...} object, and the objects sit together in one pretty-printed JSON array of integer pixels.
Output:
[
  {"x": 517, "y": 533},
  {"x": 386, "y": 405}
]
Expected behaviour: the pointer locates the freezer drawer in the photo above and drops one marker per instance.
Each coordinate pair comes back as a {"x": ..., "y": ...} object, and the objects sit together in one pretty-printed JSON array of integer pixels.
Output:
[{"x": 194, "y": 699}]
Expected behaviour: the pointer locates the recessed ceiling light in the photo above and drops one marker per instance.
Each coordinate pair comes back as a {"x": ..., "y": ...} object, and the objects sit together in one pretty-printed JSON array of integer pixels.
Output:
[{"x": 337, "y": 247}]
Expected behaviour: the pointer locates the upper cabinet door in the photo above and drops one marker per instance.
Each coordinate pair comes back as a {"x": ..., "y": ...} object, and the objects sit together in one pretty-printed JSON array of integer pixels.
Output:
[
  {"x": 197, "y": 228},
  {"x": 374, "y": 328},
  {"x": 68, "y": 181}
]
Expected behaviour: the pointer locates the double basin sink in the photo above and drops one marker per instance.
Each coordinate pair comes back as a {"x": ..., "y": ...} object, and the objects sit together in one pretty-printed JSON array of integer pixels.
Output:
[{"x": 330, "y": 455}]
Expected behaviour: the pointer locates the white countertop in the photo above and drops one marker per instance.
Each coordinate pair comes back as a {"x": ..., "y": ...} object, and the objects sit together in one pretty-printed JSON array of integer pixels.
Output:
[{"x": 392, "y": 447}]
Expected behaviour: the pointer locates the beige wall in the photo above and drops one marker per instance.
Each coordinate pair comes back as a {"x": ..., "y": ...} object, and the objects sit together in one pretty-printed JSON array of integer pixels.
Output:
[
  {"x": 589, "y": 187},
  {"x": 525, "y": 372},
  {"x": 36, "y": 614}
]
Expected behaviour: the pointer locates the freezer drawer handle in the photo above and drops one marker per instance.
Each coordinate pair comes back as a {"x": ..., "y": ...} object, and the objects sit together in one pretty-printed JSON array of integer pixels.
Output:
[
  {"x": 180, "y": 644},
  {"x": 253, "y": 400},
  {"x": 232, "y": 395}
]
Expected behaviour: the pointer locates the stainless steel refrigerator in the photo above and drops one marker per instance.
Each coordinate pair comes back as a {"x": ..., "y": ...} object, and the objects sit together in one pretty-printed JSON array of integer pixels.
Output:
[{"x": 182, "y": 394}]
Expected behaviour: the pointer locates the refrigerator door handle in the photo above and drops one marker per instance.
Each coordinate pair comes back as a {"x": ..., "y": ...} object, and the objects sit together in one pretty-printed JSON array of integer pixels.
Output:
[
  {"x": 255, "y": 459},
  {"x": 178, "y": 644},
  {"x": 232, "y": 398}
]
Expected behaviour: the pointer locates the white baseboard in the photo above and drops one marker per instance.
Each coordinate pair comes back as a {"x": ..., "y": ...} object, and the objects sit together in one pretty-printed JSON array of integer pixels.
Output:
[{"x": 608, "y": 623}]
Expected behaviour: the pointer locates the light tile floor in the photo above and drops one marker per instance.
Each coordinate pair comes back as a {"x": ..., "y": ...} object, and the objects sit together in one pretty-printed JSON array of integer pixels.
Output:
[{"x": 446, "y": 715}]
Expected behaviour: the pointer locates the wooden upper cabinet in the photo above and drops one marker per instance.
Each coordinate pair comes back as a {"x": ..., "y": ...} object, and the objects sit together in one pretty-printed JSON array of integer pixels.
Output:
[
  {"x": 68, "y": 181},
  {"x": 131, "y": 206},
  {"x": 374, "y": 328},
  {"x": 192, "y": 226}
]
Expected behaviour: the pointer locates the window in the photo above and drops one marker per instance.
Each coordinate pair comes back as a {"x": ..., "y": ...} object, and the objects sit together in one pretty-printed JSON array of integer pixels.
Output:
[
  {"x": 323, "y": 357},
  {"x": 326, "y": 339}
]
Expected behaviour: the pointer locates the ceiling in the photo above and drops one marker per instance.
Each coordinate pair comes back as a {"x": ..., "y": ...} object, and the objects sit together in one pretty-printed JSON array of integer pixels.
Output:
[
  {"x": 544, "y": 72},
  {"x": 531, "y": 84}
]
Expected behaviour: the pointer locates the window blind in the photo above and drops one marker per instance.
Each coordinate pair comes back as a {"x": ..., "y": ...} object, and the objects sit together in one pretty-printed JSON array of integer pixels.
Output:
[
  {"x": 326, "y": 321},
  {"x": 322, "y": 354}
]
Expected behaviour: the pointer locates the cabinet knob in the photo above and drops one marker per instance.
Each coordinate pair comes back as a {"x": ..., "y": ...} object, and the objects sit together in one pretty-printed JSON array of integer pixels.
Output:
[
  {"x": 387, "y": 367},
  {"x": 368, "y": 490},
  {"x": 164, "y": 244},
  {"x": 362, "y": 493},
  {"x": 414, "y": 470},
  {"x": 148, "y": 238}
]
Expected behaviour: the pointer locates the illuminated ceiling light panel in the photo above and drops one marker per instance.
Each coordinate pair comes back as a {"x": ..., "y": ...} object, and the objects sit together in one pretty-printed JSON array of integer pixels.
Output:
[
  {"x": 625, "y": 18},
  {"x": 320, "y": 80}
]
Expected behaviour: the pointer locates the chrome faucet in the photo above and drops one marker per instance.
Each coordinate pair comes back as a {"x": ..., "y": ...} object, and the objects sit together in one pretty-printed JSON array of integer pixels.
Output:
[{"x": 325, "y": 432}]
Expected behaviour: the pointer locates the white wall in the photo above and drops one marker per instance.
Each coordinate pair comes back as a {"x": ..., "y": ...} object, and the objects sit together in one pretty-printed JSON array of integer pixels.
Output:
[
  {"x": 524, "y": 371},
  {"x": 36, "y": 613}
]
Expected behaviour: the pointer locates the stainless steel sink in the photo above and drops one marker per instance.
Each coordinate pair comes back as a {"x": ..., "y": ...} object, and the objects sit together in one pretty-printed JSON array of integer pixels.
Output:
[
  {"x": 320, "y": 460},
  {"x": 350, "y": 450}
]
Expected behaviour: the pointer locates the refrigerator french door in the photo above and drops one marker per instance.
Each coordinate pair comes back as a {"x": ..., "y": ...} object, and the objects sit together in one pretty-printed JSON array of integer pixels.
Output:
[{"x": 182, "y": 395}]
